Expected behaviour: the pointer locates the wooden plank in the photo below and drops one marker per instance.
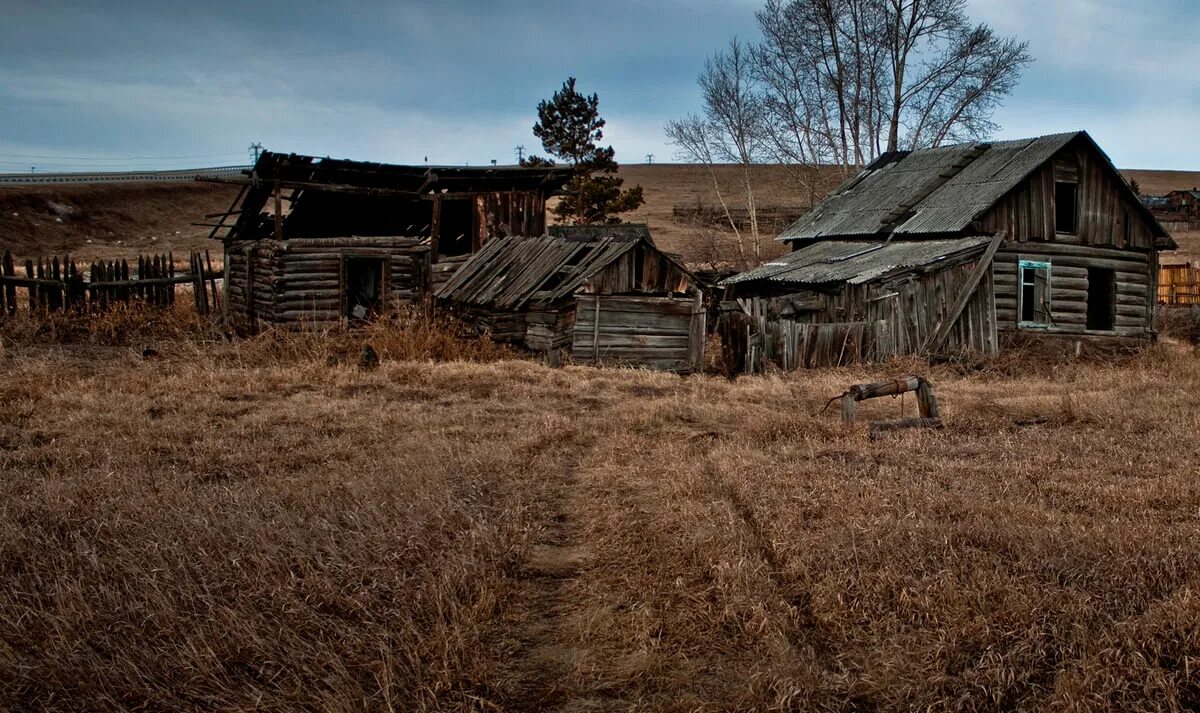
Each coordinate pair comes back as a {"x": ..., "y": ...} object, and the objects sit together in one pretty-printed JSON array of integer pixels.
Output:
[{"x": 943, "y": 327}]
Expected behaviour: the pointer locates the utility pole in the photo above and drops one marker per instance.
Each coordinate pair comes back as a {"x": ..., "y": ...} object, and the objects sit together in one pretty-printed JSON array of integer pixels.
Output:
[
  {"x": 256, "y": 148},
  {"x": 649, "y": 158},
  {"x": 520, "y": 151}
]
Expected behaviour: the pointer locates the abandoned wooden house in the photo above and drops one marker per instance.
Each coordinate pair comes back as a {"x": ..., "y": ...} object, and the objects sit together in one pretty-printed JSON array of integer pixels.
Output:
[
  {"x": 949, "y": 249},
  {"x": 604, "y": 294},
  {"x": 314, "y": 242}
]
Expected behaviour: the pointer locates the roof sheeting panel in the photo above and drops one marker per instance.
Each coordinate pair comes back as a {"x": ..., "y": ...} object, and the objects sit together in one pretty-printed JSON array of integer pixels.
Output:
[
  {"x": 856, "y": 262},
  {"x": 908, "y": 188}
]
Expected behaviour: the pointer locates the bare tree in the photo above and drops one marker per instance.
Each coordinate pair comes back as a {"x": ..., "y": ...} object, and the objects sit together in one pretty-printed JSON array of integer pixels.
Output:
[
  {"x": 731, "y": 129},
  {"x": 844, "y": 78}
]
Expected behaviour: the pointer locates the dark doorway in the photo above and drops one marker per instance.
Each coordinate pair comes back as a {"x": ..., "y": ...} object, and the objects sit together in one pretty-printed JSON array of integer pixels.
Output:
[
  {"x": 1101, "y": 298},
  {"x": 455, "y": 230},
  {"x": 363, "y": 286}
]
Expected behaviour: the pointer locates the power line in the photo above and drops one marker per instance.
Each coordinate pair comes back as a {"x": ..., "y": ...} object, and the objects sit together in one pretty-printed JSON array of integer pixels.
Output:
[{"x": 520, "y": 151}]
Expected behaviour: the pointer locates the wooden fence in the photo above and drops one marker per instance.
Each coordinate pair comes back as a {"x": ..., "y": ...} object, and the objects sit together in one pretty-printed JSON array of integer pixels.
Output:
[
  {"x": 1178, "y": 284},
  {"x": 59, "y": 285}
]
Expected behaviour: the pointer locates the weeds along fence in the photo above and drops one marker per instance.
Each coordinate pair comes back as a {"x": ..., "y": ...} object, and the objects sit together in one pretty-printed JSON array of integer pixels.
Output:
[
  {"x": 1178, "y": 284},
  {"x": 59, "y": 285}
]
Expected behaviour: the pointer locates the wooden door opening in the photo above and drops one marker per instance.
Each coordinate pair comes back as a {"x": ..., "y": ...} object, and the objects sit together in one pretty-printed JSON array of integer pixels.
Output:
[
  {"x": 364, "y": 286},
  {"x": 1101, "y": 298}
]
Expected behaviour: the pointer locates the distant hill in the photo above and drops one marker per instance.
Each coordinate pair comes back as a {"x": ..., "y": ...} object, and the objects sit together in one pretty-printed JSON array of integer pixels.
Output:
[{"x": 122, "y": 220}]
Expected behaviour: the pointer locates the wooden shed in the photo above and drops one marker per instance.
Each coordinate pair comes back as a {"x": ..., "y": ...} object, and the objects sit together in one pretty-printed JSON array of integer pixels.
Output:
[
  {"x": 603, "y": 295},
  {"x": 311, "y": 242},
  {"x": 956, "y": 246}
]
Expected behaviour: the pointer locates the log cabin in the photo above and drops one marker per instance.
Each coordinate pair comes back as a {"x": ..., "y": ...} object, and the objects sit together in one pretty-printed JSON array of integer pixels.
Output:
[
  {"x": 315, "y": 242},
  {"x": 955, "y": 248},
  {"x": 602, "y": 294}
]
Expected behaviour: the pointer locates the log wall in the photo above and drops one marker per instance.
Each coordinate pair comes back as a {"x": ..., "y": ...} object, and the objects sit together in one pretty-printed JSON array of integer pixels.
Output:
[
  {"x": 299, "y": 283},
  {"x": 1136, "y": 282}
]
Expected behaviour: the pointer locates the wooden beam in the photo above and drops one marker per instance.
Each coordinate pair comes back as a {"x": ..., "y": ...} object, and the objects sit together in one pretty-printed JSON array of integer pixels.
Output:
[{"x": 985, "y": 263}]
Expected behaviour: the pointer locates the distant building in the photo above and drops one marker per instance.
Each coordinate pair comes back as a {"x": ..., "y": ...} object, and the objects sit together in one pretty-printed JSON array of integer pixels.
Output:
[{"x": 1184, "y": 202}]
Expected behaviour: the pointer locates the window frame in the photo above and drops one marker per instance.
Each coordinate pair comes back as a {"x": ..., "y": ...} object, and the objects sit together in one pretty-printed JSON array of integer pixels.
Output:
[
  {"x": 1034, "y": 265},
  {"x": 1075, "y": 213}
]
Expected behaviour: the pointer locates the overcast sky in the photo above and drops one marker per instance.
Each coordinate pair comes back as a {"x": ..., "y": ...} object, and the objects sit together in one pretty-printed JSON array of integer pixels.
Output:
[{"x": 144, "y": 84}]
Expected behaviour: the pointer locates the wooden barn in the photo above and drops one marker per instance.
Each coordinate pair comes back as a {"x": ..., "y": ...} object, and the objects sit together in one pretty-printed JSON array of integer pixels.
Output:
[
  {"x": 949, "y": 249},
  {"x": 605, "y": 294},
  {"x": 311, "y": 242}
]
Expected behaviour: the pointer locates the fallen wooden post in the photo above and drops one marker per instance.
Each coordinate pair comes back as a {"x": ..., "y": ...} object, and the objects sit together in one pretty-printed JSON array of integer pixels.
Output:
[{"x": 927, "y": 406}]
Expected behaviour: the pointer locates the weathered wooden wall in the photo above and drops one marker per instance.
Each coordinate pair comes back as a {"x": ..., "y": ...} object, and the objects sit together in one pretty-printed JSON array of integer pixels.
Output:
[
  {"x": 1111, "y": 233},
  {"x": 643, "y": 271},
  {"x": 550, "y": 327},
  {"x": 1105, "y": 207},
  {"x": 508, "y": 213},
  {"x": 665, "y": 333},
  {"x": 299, "y": 284},
  {"x": 871, "y": 321}
]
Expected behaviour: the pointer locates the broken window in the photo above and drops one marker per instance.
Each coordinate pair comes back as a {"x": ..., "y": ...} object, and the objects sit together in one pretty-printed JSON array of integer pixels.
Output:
[
  {"x": 1035, "y": 293},
  {"x": 1101, "y": 298},
  {"x": 1066, "y": 207},
  {"x": 455, "y": 228},
  {"x": 363, "y": 286}
]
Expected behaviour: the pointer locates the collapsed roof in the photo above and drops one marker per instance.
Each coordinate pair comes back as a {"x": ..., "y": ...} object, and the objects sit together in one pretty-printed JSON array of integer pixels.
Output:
[
  {"x": 332, "y": 190},
  {"x": 508, "y": 273}
]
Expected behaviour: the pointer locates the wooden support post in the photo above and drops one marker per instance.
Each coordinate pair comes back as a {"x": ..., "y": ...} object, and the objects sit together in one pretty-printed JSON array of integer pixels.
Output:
[
  {"x": 278, "y": 214},
  {"x": 10, "y": 290},
  {"x": 170, "y": 273},
  {"x": 849, "y": 407},
  {"x": 212, "y": 277},
  {"x": 31, "y": 274},
  {"x": 596, "y": 334}
]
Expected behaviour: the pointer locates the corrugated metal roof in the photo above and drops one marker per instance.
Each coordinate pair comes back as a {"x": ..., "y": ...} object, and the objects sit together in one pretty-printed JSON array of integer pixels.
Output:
[
  {"x": 856, "y": 261},
  {"x": 932, "y": 191}
]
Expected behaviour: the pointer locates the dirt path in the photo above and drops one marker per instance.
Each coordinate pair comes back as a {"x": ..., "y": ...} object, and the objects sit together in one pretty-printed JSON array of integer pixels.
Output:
[{"x": 549, "y": 667}]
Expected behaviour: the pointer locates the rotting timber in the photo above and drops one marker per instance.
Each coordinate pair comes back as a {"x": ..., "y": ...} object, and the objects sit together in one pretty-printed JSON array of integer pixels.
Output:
[{"x": 312, "y": 242}]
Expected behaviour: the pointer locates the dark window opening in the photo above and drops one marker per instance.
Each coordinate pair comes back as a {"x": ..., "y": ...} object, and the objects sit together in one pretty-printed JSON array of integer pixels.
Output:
[
  {"x": 1101, "y": 298},
  {"x": 1066, "y": 207},
  {"x": 363, "y": 286},
  {"x": 1035, "y": 293},
  {"x": 454, "y": 230}
]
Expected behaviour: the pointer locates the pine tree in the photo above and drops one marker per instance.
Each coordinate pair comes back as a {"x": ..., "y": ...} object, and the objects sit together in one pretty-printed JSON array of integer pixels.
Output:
[{"x": 570, "y": 128}]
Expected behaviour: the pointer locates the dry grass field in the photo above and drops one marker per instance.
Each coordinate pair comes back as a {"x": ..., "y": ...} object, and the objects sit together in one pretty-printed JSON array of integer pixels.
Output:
[{"x": 263, "y": 524}]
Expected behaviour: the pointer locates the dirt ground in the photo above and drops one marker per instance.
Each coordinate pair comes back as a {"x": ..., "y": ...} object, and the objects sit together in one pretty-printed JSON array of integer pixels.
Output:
[{"x": 109, "y": 221}]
